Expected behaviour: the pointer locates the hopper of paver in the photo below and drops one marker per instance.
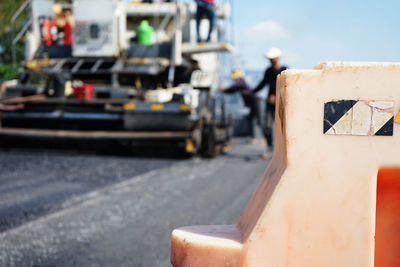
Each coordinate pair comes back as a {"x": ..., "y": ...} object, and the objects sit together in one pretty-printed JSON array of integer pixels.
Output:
[{"x": 331, "y": 194}]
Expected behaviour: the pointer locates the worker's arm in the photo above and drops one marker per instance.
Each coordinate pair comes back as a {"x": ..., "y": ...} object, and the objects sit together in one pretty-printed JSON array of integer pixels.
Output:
[
  {"x": 272, "y": 91},
  {"x": 263, "y": 83},
  {"x": 235, "y": 87}
]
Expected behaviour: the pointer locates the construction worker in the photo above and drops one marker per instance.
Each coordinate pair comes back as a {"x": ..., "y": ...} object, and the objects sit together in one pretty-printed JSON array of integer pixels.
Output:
[
  {"x": 205, "y": 8},
  {"x": 240, "y": 85},
  {"x": 270, "y": 79}
]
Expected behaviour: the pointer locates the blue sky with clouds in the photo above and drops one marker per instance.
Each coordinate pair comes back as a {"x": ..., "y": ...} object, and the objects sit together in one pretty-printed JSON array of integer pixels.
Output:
[{"x": 311, "y": 31}]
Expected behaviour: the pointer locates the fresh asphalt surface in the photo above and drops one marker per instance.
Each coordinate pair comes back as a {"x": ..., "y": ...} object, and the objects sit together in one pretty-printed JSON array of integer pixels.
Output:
[{"x": 63, "y": 208}]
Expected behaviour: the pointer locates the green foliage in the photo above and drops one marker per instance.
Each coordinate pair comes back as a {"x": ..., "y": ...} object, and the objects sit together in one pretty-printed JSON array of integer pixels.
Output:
[
  {"x": 7, "y": 10},
  {"x": 7, "y": 72}
]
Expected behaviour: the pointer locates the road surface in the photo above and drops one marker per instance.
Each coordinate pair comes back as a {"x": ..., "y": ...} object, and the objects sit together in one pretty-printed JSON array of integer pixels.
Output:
[{"x": 61, "y": 208}]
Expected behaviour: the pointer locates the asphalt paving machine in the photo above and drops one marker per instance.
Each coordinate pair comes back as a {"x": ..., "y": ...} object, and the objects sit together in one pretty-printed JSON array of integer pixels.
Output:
[{"x": 114, "y": 69}]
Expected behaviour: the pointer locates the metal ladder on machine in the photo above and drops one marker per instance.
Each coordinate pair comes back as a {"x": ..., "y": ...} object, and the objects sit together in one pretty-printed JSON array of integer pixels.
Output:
[{"x": 15, "y": 37}]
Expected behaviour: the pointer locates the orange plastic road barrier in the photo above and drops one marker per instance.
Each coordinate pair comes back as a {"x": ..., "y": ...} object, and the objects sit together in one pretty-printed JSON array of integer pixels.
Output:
[{"x": 331, "y": 194}]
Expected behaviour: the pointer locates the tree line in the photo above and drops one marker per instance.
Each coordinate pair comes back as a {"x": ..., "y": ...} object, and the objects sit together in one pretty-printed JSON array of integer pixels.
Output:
[{"x": 7, "y": 10}]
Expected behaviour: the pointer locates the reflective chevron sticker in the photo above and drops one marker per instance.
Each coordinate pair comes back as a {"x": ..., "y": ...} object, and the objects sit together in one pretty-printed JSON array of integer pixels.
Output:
[{"x": 358, "y": 117}]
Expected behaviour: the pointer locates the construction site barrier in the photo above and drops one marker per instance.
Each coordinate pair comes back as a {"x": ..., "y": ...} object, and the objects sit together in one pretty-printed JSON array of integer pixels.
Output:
[{"x": 331, "y": 193}]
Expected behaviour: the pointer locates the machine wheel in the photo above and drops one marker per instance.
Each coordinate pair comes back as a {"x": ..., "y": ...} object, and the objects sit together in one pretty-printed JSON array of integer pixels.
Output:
[{"x": 209, "y": 147}]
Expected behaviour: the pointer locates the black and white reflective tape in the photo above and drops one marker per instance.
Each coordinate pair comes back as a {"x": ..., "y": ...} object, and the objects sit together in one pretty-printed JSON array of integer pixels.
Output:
[{"x": 359, "y": 117}]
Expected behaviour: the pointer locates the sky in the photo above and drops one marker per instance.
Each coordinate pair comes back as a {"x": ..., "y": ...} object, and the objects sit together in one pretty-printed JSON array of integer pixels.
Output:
[{"x": 311, "y": 31}]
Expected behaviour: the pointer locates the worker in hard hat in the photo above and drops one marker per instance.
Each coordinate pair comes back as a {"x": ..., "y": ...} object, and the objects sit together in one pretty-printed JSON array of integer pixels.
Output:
[
  {"x": 240, "y": 85},
  {"x": 273, "y": 55},
  {"x": 205, "y": 8},
  {"x": 237, "y": 75}
]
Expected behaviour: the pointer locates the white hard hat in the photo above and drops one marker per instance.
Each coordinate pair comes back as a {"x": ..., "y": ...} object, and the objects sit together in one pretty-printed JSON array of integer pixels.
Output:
[{"x": 273, "y": 52}]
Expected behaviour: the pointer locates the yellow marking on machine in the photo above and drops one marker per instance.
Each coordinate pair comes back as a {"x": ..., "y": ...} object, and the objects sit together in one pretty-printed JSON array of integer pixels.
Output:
[
  {"x": 223, "y": 46},
  {"x": 189, "y": 146},
  {"x": 184, "y": 107},
  {"x": 140, "y": 61},
  {"x": 129, "y": 106},
  {"x": 32, "y": 65},
  {"x": 157, "y": 106}
]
